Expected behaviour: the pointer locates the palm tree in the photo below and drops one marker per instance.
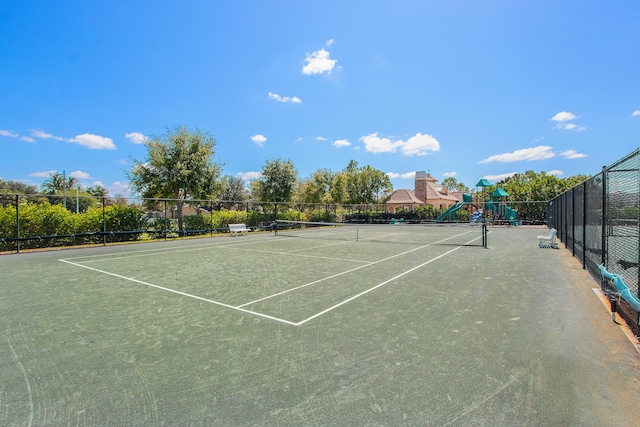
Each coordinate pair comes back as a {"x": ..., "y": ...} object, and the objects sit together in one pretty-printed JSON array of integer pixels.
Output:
[{"x": 56, "y": 183}]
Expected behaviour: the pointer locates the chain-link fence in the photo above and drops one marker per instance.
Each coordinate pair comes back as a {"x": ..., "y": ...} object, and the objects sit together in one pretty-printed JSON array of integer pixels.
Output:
[
  {"x": 31, "y": 221},
  {"x": 599, "y": 221}
]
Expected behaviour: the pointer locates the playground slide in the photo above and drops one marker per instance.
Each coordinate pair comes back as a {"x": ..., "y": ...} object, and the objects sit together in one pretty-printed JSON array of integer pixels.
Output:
[
  {"x": 451, "y": 212},
  {"x": 477, "y": 216},
  {"x": 621, "y": 287}
]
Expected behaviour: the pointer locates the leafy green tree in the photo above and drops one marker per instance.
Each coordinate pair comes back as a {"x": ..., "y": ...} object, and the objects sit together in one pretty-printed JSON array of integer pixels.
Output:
[
  {"x": 179, "y": 165},
  {"x": 531, "y": 189},
  {"x": 338, "y": 189},
  {"x": 366, "y": 184},
  {"x": 317, "y": 189},
  {"x": 16, "y": 187},
  {"x": 233, "y": 191},
  {"x": 452, "y": 184},
  {"x": 278, "y": 181}
]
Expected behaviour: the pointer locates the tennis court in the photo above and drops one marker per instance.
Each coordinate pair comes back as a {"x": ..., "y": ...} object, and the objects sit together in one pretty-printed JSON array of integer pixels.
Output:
[{"x": 388, "y": 325}]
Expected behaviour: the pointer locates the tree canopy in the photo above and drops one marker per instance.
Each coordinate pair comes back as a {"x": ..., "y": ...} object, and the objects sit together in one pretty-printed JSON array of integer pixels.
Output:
[
  {"x": 179, "y": 164},
  {"x": 278, "y": 181}
]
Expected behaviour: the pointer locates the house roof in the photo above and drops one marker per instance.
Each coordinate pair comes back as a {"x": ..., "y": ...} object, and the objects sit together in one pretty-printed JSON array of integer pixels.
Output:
[
  {"x": 404, "y": 196},
  {"x": 434, "y": 194}
]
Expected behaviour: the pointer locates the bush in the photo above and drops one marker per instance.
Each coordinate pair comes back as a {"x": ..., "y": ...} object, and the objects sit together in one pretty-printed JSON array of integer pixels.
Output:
[{"x": 56, "y": 226}]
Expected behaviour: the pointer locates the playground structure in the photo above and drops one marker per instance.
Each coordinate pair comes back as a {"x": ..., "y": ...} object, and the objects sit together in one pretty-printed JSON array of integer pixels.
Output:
[
  {"x": 499, "y": 211},
  {"x": 494, "y": 209}
]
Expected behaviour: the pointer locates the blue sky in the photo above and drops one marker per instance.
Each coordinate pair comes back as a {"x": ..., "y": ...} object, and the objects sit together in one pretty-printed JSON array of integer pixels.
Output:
[{"x": 464, "y": 88}]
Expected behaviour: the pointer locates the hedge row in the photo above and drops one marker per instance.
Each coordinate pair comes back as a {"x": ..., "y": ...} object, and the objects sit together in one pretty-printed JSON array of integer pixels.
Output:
[
  {"x": 44, "y": 220},
  {"x": 54, "y": 225}
]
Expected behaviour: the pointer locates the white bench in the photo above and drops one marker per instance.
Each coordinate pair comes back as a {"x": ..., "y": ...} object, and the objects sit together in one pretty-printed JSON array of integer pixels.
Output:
[
  {"x": 237, "y": 229},
  {"x": 548, "y": 241}
]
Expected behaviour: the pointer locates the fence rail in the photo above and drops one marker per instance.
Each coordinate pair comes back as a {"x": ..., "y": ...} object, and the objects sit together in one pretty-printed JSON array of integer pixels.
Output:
[{"x": 599, "y": 222}]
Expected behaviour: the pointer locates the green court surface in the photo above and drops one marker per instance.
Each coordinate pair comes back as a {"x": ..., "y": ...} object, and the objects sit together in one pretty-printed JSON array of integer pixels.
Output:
[{"x": 265, "y": 330}]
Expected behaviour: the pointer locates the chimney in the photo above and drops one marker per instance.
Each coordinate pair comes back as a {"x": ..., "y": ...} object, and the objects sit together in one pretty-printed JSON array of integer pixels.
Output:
[{"x": 421, "y": 185}]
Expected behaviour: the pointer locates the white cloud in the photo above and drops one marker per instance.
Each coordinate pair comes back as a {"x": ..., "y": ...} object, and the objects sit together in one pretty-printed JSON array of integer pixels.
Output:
[
  {"x": 449, "y": 174},
  {"x": 500, "y": 177},
  {"x": 318, "y": 62},
  {"x": 374, "y": 144},
  {"x": 331, "y": 42},
  {"x": 119, "y": 188},
  {"x": 570, "y": 126},
  {"x": 136, "y": 137},
  {"x": 8, "y": 133},
  {"x": 564, "y": 116},
  {"x": 555, "y": 172},
  {"x": 420, "y": 145},
  {"x": 97, "y": 184},
  {"x": 540, "y": 152},
  {"x": 259, "y": 139},
  {"x": 417, "y": 145},
  {"x": 40, "y": 134},
  {"x": 94, "y": 142},
  {"x": 321, "y": 138},
  {"x": 408, "y": 175},
  {"x": 635, "y": 113},
  {"x": 248, "y": 176},
  {"x": 298, "y": 139},
  {"x": 44, "y": 174},
  {"x": 279, "y": 98},
  {"x": 79, "y": 175},
  {"x": 27, "y": 139},
  {"x": 572, "y": 154},
  {"x": 341, "y": 143}
]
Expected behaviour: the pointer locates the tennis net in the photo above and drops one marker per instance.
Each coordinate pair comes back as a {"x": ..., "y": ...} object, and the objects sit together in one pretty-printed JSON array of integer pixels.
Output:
[{"x": 458, "y": 234}]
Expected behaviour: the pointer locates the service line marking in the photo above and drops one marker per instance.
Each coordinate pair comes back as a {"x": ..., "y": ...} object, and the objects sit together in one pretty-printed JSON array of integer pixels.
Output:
[{"x": 180, "y": 293}]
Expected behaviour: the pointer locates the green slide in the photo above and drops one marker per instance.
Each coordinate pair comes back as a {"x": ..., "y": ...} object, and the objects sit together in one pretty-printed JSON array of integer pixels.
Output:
[{"x": 451, "y": 212}]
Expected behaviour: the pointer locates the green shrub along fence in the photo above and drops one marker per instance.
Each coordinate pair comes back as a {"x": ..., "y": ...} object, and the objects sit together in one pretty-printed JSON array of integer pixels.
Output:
[{"x": 44, "y": 221}]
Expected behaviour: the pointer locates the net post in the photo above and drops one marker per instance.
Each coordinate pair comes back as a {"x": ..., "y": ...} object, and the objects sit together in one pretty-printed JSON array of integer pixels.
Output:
[{"x": 484, "y": 235}]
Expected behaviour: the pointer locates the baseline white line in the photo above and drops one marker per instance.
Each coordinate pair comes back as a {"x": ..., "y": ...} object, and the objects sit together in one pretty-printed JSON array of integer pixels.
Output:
[
  {"x": 181, "y": 293},
  {"x": 376, "y": 287},
  {"x": 348, "y": 271}
]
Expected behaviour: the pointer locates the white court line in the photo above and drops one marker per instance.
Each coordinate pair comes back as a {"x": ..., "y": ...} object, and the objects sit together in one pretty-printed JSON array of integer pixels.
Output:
[
  {"x": 181, "y": 293},
  {"x": 350, "y": 271},
  {"x": 239, "y": 308},
  {"x": 378, "y": 286}
]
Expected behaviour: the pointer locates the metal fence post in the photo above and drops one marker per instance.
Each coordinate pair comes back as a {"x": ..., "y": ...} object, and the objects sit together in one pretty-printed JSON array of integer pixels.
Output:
[
  {"x": 17, "y": 224},
  {"x": 104, "y": 223},
  {"x": 604, "y": 216}
]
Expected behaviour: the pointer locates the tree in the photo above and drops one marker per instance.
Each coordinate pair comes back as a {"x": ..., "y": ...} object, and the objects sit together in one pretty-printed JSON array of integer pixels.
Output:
[
  {"x": 16, "y": 187},
  {"x": 179, "y": 165},
  {"x": 317, "y": 189},
  {"x": 278, "y": 181},
  {"x": 233, "y": 191},
  {"x": 57, "y": 183},
  {"x": 98, "y": 191},
  {"x": 452, "y": 184},
  {"x": 366, "y": 184},
  {"x": 535, "y": 187}
]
